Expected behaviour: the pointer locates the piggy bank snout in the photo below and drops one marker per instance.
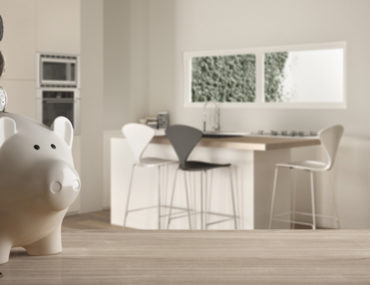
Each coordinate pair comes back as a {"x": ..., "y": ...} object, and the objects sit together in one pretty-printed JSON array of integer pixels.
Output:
[
  {"x": 57, "y": 186},
  {"x": 70, "y": 181},
  {"x": 63, "y": 185}
]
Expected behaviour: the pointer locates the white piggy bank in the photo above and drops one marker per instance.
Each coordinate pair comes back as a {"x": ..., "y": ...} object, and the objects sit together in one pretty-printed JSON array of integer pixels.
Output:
[{"x": 38, "y": 182}]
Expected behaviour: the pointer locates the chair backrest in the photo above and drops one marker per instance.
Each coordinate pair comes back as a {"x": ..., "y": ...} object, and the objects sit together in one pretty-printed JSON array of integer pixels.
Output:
[
  {"x": 330, "y": 138},
  {"x": 183, "y": 139},
  {"x": 138, "y": 137}
]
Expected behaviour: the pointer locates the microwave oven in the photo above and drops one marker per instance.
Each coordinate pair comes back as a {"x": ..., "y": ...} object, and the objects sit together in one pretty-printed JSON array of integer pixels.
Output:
[{"x": 57, "y": 70}]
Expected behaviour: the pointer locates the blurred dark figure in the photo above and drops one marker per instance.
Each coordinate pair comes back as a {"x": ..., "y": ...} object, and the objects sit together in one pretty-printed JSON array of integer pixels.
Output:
[{"x": 1, "y": 55}]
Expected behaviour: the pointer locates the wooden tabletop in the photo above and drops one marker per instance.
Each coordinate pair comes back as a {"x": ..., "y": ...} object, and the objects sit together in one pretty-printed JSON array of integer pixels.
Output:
[
  {"x": 198, "y": 258},
  {"x": 255, "y": 143}
]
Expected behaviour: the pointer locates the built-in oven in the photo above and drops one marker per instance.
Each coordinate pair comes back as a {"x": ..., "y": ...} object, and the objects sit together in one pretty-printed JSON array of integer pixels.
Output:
[
  {"x": 57, "y": 70},
  {"x": 52, "y": 103}
]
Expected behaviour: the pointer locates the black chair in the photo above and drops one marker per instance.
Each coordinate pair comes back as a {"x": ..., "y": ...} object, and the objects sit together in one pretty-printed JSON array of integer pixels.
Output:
[{"x": 184, "y": 139}]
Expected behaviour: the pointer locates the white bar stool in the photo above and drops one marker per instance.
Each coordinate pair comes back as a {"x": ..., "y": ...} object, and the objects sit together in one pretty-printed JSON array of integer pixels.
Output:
[
  {"x": 329, "y": 138},
  {"x": 138, "y": 137}
]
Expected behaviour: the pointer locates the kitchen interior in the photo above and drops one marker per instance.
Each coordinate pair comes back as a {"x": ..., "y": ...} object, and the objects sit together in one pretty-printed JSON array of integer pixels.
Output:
[{"x": 276, "y": 92}]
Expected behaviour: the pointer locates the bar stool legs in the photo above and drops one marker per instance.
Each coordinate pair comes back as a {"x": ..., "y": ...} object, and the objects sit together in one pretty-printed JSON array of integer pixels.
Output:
[
  {"x": 172, "y": 198},
  {"x": 313, "y": 204},
  {"x": 312, "y": 190},
  {"x": 273, "y": 196},
  {"x": 129, "y": 194},
  {"x": 294, "y": 198},
  {"x": 233, "y": 198},
  {"x": 203, "y": 181},
  {"x": 159, "y": 196},
  {"x": 187, "y": 201},
  {"x": 313, "y": 201},
  {"x": 205, "y": 199}
]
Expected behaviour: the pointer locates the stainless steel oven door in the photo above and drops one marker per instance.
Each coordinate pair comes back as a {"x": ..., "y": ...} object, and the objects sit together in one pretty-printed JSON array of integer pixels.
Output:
[{"x": 54, "y": 103}]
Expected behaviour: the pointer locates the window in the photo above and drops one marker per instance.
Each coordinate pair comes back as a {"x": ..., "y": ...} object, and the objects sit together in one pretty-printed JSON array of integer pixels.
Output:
[
  {"x": 230, "y": 78},
  {"x": 311, "y": 76}
]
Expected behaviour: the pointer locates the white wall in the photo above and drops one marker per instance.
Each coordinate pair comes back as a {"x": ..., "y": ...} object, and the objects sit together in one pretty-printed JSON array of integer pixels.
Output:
[
  {"x": 116, "y": 62},
  {"x": 351, "y": 181},
  {"x": 163, "y": 56},
  {"x": 91, "y": 104},
  {"x": 125, "y": 61},
  {"x": 192, "y": 25},
  {"x": 126, "y": 68}
]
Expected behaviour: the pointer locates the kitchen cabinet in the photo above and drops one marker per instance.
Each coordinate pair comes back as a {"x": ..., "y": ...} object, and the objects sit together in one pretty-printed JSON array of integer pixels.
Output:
[
  {"x": 19, "y": 42},
  {"x": 21, "y": 98},
  {"x": 58, "y": 26}
]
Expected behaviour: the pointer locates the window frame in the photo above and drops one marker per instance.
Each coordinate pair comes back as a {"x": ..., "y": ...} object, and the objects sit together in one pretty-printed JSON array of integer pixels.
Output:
[{"x": 260, "y": 52}]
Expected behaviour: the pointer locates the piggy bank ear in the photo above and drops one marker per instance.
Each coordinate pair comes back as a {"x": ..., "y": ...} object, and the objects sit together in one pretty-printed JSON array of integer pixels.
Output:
[
  {"x": 64, "y": 129},
  {"x": 8, "y": 128}
]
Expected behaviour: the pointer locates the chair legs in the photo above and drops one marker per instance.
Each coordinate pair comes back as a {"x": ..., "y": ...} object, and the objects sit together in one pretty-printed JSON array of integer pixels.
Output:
[
  {"x": 203, "y": 176},
  {"x": 159, "y": 197},
  {"x": 313, "y": 201},
  {"x": 294, "y": 199},
  {"x": 187, "y": 200},
  {"x": 129, "y": 194},
  {"x": 273, "y": 196},
  {"x": 312, "y": 188},
  {"x": 172, "y": 198},
  {"x": 205, "y": 193},
  {"x": 233, "y": 198},
  {"x": 313, "y": 204}
]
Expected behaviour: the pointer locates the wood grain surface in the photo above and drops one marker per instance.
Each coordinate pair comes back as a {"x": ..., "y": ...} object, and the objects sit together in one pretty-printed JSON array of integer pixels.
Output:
[
  {"x": 196, "y": 257},
  {"x": 258, "y": 143}
]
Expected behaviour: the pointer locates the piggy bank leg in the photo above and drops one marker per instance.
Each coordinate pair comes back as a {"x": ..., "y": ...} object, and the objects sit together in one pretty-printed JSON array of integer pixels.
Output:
[
  {"x": 5, "y": 247},
  {"x": 51, "y": 244}
]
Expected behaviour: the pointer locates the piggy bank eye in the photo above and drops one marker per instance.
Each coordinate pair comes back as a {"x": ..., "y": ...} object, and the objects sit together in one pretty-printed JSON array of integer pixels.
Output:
[
  {"x": 36, "y": 147},
  {"x": 53, "y": 146}
]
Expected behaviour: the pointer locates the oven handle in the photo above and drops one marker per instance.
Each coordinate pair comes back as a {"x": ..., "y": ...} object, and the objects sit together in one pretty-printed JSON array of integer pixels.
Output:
[
  {"x": 58, "y": 101},
  {"x": 58, "y": 60}
]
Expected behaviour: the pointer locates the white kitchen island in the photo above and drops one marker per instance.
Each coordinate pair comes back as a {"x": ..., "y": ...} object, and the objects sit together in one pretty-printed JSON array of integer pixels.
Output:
[{"x": 253, "y": 159}]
